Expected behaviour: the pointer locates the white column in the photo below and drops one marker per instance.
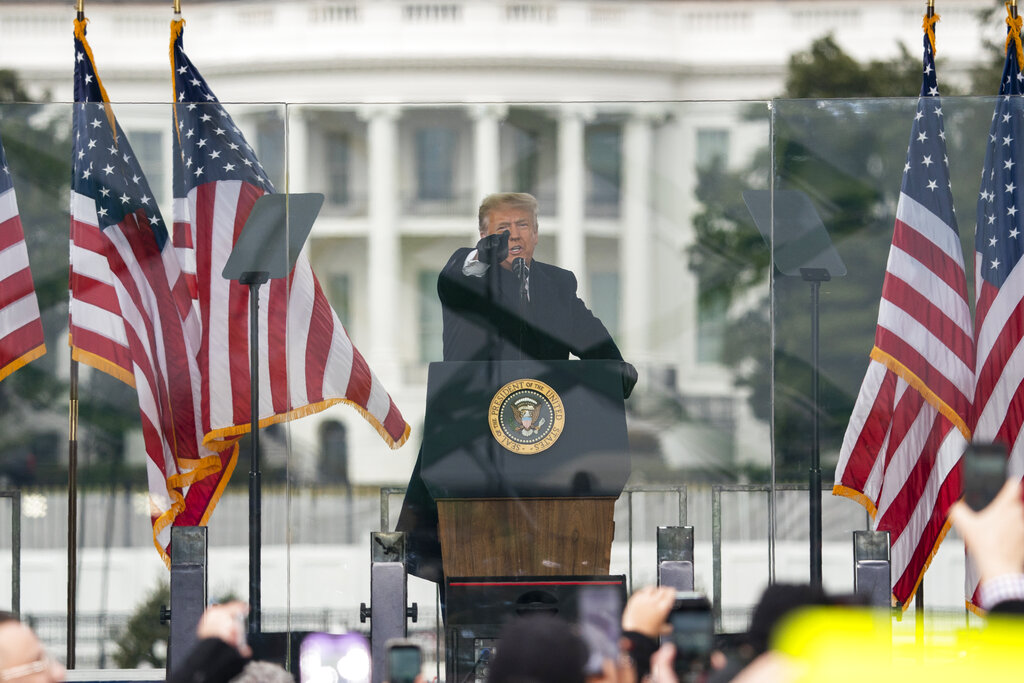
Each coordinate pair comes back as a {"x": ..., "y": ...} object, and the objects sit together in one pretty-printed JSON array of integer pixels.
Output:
[
  {"x": 383, "y": 262},
  {"x": 571, "y": 193},
  {"x": 636, "y": 252},
  {"x": 486, "y": 149},
  {"x": 297, "y": 150}
]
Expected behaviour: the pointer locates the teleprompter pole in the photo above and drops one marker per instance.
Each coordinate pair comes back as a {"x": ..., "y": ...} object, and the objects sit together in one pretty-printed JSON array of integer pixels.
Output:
[
  {"x": 266, "y": 249},
  {"x": 815, "y": 276},
  {"x": 254, "y": 280}
]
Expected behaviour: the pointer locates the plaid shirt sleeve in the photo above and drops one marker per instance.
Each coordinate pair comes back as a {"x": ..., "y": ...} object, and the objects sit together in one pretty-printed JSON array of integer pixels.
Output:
[{"x": 1000, "y": 589}]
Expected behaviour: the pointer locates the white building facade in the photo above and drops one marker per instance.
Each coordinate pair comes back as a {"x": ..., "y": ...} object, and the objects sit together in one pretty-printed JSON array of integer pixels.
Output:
[{"x": 405, "y": 114}]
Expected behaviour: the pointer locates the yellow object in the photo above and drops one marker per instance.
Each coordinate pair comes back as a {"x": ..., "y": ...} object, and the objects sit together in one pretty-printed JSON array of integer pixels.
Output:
[{"x": 844, "y": 644}]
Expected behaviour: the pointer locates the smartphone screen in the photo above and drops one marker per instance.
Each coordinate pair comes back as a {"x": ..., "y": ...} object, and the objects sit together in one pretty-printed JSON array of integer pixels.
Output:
[
  {"x": 600, "y": 621},
  {"x": 404, "y": 662},
  {"x": 984, "y": 473},
  {"x": 334, "y": 658},
  {"x": 692, "y": 634}
]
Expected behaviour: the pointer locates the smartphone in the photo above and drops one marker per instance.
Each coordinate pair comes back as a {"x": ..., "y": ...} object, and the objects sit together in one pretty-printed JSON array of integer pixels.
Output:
[
  {"x": 404, "y": 661},
  {"x": 984, "y": 473},
  {"x": 334, "y": 658},
  {"x": 692, "y": 633},
  {"x": 600, "y": 622}
]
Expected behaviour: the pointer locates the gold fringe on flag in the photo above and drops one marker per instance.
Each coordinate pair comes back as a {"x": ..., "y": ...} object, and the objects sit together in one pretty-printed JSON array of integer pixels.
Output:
[
  {"x": 1013, "y": 23},
  {"x": 177, "y": 26},
  {"x": 929, "y": 28},
  {"x": 919, "y": 385}
]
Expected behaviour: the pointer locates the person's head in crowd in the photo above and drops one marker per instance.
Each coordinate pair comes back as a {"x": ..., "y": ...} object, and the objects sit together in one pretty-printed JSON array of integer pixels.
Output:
[
  {"x": 263, "y": 672},
  {"x": 226, "y": 622},
  {"x": 516, "y": 214},
  {"x": 22, "y": 657},
  {"x": 539, "y": 648},
  {"x": 777, "y": 601}
]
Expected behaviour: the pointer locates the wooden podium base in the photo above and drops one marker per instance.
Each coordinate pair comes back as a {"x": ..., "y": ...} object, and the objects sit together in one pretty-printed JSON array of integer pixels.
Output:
[{"x": 526, "y": 536}]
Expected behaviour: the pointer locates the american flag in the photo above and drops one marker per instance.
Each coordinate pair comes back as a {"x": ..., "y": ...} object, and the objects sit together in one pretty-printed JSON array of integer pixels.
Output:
[
  {"x": 307, "y": 361},
  {"x": 130, "y": 311},
  {"x": 900, "y": 456},
  {"x": 999, "y": 276},
  {"x": 21, "y": 329}
]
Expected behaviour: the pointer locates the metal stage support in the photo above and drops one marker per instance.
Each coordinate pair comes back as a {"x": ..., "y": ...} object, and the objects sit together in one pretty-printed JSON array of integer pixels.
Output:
[
  {"x": 675, "y": 557},
  {"x": 188, "y": 590},
  {"x": 872, "y": 571},
  {"x": 388, "y": 596}
]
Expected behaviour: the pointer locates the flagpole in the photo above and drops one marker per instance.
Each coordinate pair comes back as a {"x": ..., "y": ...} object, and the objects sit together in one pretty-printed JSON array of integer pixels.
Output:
[
  {"x": 72, "y": 511},
  {"x": 177, "y": 7},
  {"x": 73, "y": 485}
]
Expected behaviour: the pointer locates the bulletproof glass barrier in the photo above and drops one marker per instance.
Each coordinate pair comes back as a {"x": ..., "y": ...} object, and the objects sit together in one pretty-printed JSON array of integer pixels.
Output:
[{"x": 642, "y": 201}]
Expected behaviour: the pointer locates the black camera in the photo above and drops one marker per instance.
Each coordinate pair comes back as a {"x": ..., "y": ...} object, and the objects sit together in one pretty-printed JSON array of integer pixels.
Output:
[{"x": 693, "y": 634}]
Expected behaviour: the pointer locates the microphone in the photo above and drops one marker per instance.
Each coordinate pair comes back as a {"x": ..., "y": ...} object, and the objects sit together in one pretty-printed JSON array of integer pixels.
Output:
[
  {"x": 519, "y": 268},
  {"x": 522, "y": 272}
]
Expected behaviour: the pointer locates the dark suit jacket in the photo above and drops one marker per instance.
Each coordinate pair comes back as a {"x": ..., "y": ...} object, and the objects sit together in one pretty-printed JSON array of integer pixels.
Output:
[{"x": 484, "y": 319}]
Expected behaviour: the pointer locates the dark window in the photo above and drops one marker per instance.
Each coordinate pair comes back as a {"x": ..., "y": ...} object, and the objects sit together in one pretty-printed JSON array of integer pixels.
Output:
[
  {"x": 270, "y": 150},
  {"x": 338, "y": 296},
  {"x": 435, "y": 163},
  {"x": 526, "y": 149},
  {"x": 604, "y": 167},
  {"x": 149, "y": 150},
  {"x": 712, "y": 146},
  {"x": 711, "y": 323},
  {"x": 604, "y": 299},
  {"x": 337, "y": 149},
  {"x": 334, "y": 453}
]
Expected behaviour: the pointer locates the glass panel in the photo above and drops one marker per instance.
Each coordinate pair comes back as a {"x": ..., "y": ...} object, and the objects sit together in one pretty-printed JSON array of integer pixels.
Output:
[
  {"x": 679, "y": 274},
  {"x": 853, "y": 183},
  {"x": 430, "y": 317}
]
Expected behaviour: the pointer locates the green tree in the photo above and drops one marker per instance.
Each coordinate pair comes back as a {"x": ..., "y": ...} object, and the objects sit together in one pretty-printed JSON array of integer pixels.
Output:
[
  {"x": 848, "y": 156},
  {"x": 825, "y": 70},
  {"x": 144, "y": 639},
  {"x": 36, "y": 139},
  {"x": 11, "y": 89}
]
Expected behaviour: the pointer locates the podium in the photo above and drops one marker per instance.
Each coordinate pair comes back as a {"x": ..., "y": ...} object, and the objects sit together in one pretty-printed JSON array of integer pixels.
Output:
[{"x": 525, "y": 460}]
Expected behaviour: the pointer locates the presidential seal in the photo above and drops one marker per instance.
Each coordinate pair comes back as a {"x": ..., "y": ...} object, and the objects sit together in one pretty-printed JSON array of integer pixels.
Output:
[{"x": 526, "y": 416}]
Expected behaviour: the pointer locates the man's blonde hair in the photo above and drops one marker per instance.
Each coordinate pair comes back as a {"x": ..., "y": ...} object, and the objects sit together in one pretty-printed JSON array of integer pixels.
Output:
[{"x": 509, "y": 200}]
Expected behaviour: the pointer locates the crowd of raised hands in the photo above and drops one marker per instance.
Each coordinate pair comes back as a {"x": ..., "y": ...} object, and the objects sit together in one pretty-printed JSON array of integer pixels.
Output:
[{"x": 548, "y": 649}]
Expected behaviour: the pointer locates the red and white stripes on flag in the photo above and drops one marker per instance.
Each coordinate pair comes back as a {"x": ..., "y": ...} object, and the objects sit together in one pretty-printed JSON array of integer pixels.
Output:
[
  {"x": 307, "y": 361},
  {"x": 123, "y": 311},
  {"x": 911, "y": 422},
  {"x": 21, "y": 328},
  {"x": 131, "y": 314},
  {"x": 903, "y": 445}
]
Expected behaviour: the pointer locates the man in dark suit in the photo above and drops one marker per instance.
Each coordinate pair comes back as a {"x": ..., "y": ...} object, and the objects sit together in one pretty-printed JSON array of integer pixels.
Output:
[{"x": 500, "y": 304}]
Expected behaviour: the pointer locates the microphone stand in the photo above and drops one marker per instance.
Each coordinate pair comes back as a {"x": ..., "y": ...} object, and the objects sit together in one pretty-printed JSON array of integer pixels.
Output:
[{"x": 519, "y": 268}]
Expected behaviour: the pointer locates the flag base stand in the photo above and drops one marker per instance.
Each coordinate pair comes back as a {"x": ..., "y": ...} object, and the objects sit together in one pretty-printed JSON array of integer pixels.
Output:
[{"x": 267, "y": 247}]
